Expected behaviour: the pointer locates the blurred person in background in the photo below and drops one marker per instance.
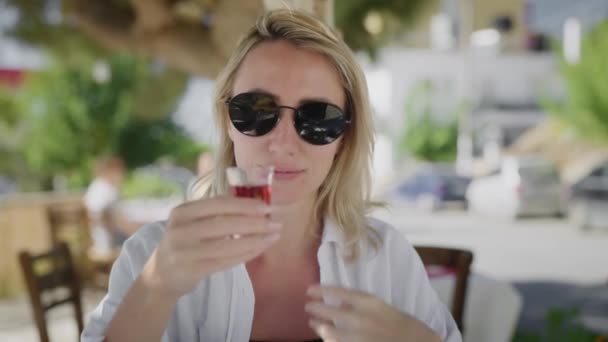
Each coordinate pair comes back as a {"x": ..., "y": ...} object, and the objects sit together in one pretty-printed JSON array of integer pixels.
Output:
[
  {"x": 312, "y": 263},
  {"x": 101, "y": 199}
]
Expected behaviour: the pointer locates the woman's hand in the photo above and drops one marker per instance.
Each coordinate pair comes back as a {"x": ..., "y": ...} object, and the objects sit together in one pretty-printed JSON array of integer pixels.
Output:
[
  {"x": 362, "y": 317},
  {"x": 207, "y": 236}
]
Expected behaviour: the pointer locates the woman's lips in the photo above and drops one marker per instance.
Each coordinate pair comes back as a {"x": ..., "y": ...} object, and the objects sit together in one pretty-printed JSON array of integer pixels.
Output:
[{"x": 287, "y": 174}]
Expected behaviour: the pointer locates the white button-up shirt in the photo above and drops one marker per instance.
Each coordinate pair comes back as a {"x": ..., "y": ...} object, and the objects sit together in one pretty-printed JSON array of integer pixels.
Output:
[{"x": 220, "y": 308}]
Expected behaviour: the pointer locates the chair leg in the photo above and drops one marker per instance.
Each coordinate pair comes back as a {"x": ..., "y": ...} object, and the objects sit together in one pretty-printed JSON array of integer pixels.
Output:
[
  {"x": 78, "y": 313},
  {"x": 41, "y": 325}
]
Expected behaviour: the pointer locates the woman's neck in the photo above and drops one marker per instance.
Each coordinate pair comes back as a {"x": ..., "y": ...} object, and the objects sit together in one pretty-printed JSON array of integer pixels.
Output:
[{"x": 300, "y": 236}]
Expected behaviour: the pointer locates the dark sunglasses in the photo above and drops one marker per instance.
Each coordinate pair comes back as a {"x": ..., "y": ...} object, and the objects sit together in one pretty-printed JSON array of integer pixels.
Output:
[{"x": 256, "y": 114}]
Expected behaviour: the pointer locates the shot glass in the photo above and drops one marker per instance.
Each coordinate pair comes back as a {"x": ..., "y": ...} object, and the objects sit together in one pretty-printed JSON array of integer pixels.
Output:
[{"x": 253, "y": 183}]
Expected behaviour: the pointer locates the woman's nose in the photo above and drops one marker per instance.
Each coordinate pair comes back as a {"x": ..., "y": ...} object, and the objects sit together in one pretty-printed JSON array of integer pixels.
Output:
[{"x": 284, "y": 136}]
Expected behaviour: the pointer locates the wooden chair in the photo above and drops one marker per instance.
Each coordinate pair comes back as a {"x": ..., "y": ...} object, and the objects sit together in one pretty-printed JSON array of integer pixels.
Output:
[
  {"x": 460, "y": 262},
  {"x": 71, "y": 224},
  {"x": 46, "y": 273}
]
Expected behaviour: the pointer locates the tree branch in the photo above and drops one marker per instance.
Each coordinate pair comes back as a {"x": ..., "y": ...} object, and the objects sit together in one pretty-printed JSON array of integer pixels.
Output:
[
  {"x": 110, "y": 26},
  {"x": 152, "y": 15},
  {"x": 188, "y": 47},
  {"x": 231, "y": 19},
  {"x": 154, "y": 29}
]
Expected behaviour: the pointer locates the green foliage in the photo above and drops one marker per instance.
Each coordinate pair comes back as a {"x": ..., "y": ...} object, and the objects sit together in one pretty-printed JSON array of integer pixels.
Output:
[
  {"x": 142, "y": 142},
  {"x": 9, "y": 122},
  {"x": 148, "y": 186},
  {"x": 64, "y": 102},
  {"x": 350, "y": 16},
  {"x": 586, "y": 107},
  {"x": 427, "y": 135},
  {"x": 71, "y": 118},
  {"x": 11, "y": 135},
  {"x": 9, "y": 115},
  {"x": 560, "y": 327},
  {"x": 74, "y": 116}
]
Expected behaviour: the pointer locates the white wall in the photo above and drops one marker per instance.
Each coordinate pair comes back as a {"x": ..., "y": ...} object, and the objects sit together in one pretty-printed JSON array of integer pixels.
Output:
[
  {"x": 506, "y": 79},
  {"x": 513, "y": 80}
]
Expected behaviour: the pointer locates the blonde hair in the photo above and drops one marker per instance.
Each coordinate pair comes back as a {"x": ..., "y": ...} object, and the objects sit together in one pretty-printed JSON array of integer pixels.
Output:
[{"x": 344, "y": 196}]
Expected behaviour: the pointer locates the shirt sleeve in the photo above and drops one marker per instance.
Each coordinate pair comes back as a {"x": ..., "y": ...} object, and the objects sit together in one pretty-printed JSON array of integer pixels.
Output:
[
  {"x": 100, "y": 196},
  {"x": 127, "y": 267}
]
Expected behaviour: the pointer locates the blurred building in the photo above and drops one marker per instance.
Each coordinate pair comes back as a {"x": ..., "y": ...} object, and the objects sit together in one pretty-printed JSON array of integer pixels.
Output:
[
  {"x": 548, "y": 16},
  {"x": 521, "y": 22},
  {"x": 492, "y": 55}
]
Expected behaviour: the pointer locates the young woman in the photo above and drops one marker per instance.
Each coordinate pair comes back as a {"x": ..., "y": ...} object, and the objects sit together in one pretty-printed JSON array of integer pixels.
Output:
[{"x": 309, "y": 265}]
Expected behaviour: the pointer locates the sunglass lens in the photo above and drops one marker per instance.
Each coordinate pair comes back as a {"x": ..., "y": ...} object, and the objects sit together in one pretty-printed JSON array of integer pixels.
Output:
[
  {"x": 253, "y": 114},
  {"x": 320, "y": 123}
]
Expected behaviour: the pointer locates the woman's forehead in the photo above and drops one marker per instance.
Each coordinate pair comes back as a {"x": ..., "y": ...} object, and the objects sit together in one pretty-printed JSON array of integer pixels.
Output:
[{"x": 288, "y": 72}]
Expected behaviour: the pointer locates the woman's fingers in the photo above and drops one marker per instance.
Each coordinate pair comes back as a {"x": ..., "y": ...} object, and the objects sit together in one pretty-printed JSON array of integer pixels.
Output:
[
  {"x": 221, "y": 264},
  {"x": 359, "y": 300},
  {"x": 331, "y": 333},
  {"x": 221, "y": 205},
  {"x": 222, "y": 248},
  {"x": 197, "y": 239},
  {"x": 225, "y": 248},
  {"x": 223, "y": 226},
  {"x": 358, "y": 312},
  {"x": 340, "y": 316}
]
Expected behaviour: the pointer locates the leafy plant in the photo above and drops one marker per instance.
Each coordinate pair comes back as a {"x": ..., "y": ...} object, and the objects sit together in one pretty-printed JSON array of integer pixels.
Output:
[
  {"x": 11, "y": 135},
  {"x": 148, "y": 186},
  {"x": 351, "y": 15},
  {"x": 561, "y": 326},
  {"x": 72, "y": 115},
  {"x": 142, "y": 142},
  {"x": 585, "y": 110},
  {"x": 429, "y": 135}
]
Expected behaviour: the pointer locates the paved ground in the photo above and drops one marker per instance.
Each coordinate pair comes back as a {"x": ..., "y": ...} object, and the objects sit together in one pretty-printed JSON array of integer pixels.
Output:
[
  {"x": 552, "y": 264},
  {"x": 16, "y": 322}
]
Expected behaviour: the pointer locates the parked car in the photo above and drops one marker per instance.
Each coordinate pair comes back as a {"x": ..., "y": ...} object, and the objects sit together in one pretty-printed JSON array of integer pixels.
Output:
[
  {"x": 588, "y": 200},
  {"x": 434, "y": 186},
  {"x": 523, "y": 186}
]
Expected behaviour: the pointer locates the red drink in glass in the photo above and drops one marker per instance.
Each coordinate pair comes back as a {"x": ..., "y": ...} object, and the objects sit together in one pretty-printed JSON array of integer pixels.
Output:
[
  {"x": 252, "y": 183},
  {"x": 262, "y": 192}
]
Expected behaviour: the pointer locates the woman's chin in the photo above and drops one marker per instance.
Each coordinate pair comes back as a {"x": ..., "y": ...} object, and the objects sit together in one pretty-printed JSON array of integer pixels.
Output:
[{"x": 287, "y": 198}]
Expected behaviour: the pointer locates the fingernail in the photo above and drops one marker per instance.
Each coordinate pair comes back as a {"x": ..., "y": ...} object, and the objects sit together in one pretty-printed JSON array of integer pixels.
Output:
[
  {"x": 275, "y": 226},
  {"x": 272, "y": 237}
]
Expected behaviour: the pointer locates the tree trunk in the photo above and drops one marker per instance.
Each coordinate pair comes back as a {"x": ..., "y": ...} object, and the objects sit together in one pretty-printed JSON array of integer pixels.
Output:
[{"x": 195, "y": 36}]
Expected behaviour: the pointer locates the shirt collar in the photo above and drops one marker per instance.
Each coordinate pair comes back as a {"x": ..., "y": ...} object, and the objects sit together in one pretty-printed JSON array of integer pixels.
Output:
[{"x": 332, "y": 233}]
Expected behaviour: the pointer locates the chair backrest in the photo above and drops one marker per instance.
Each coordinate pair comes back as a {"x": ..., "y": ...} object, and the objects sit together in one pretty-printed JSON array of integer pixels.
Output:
[
  {"x": 460, "y": 262},
  {"x": 71, "y": 223},
  {"x": 68, "y": 222},
  {"x": 48, "y": 272}
]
